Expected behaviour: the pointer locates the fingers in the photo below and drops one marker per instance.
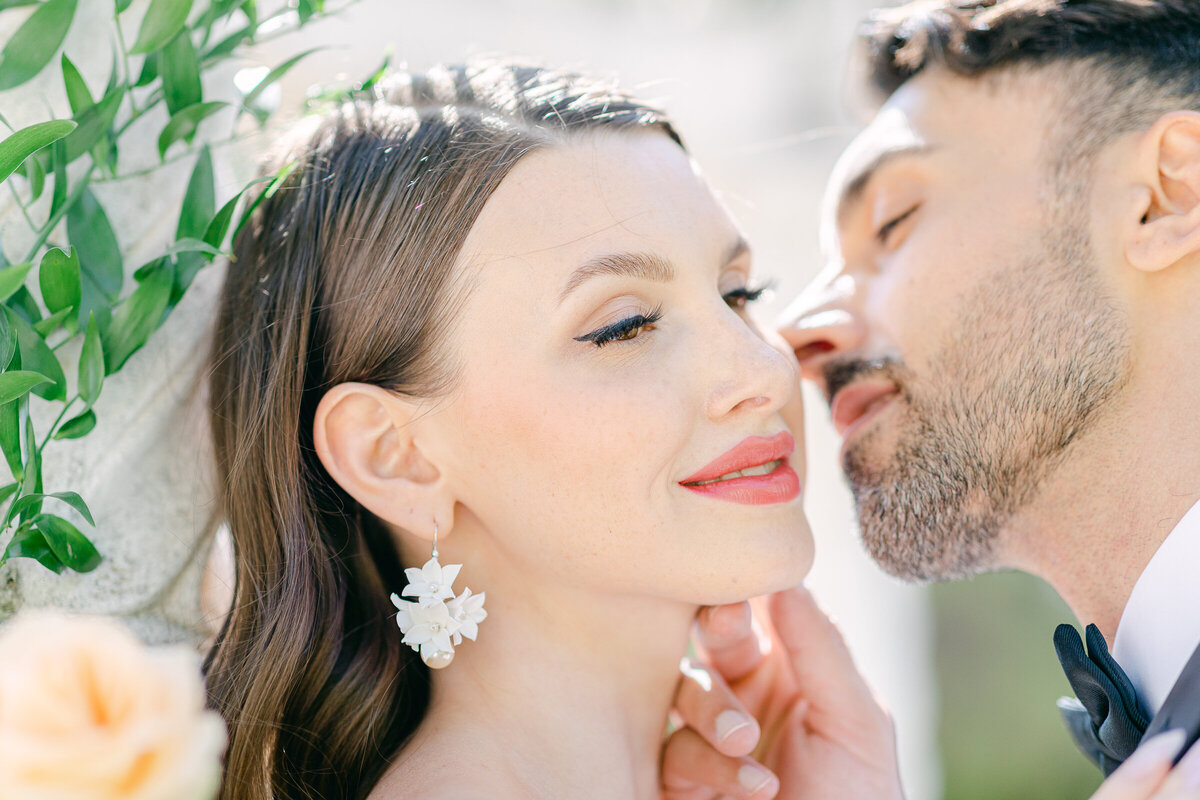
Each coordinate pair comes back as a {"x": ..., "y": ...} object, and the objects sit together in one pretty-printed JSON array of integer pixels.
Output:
[
  {"x": 1184, "y": 780},
  {"x": 729, "y": 639},
  {"x": 818, "y": 653},
  {"x": 1142, "y": 774},
  {"x": 707, "y": 705},
  {"x": 693, "y": 770}
]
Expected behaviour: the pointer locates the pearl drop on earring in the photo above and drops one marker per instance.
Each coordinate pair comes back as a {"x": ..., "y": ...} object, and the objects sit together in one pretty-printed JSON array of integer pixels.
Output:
[{"x": 438, "y": 659}]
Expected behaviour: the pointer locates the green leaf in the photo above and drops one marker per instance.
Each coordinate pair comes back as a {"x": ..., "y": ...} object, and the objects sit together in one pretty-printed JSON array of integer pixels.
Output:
[
  {"x": 77, "y": 92},
  {"x": 58, "y": 162},
  {"x": 32, "y": 484},
  {"x": 30, "y": 543},
  {"x": 276, "y": 180},
  {"x": 91, "y": 364},
  {"x": 214, "y": 234},
  {"x": 163, "y": 20},
  {"x": 72, "y": 547},
  {"x": 50, "y": 324},
  {"x": 307, "y": 8},
  {"x": 36, "y": 176},
  {"x": 17, "y": 383},
  {"x": 122, "y": 5},
  {"x": 36, "y": 356},
  {"x": 149, "y": 71},
  {"x": 23, "y": 302},
  {"x": 275, "y": 74},
  {"x": 8, "y": 491},
  {"x": 10, "y": 438},
  {"x": 183, "y": 124},
  {"x": 77, "y": 426},
  {"x": 94, "y": 123},
  {"x": 76, "y": 502},
  {"x": 138, "y": 316},
  {"x": 28, "y": 501},
  {"x": 30, "y": 49},
  {"x": 228, "y": 44},
  {"x": 20, "y": 145},
  {"x": 13, "y": 278},
  {"x": 191, "y": 246},
  {"x": 378, "y": 75},
  {"x": 199, "y": 200},
  {"x": 7, "y": 4},
  {"x": 8, "y": 342},
  {"x": 59, "y": 279},
  {"x": 115, "y": 78},
  {"x": 89, "y": 230},
  {"x": 180, "y": 73}
]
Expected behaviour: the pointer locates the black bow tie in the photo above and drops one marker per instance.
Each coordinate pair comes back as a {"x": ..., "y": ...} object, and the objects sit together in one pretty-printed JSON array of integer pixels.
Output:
[{"x": 1107, "y": 722}]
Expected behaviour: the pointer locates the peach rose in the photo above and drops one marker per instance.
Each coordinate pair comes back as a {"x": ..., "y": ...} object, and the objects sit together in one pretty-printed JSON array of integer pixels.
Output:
[{"x": 88, "y": 711}]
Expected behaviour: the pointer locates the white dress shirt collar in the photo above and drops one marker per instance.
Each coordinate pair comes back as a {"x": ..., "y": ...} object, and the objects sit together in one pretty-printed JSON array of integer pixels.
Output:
[{"x": 1160, "y": 627}]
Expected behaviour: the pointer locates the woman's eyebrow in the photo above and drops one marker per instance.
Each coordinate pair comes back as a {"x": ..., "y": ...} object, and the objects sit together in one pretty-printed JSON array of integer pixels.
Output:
[
  {"x": 646, "y": 266},
  {"x": 630, "y": 265}
]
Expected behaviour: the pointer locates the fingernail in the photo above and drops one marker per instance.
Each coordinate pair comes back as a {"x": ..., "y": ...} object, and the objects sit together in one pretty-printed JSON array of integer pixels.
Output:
[
  {"x": 754, "y": 778},
  {"x": 730, "y": 722},
  {"x": 1151, "y": 756}
]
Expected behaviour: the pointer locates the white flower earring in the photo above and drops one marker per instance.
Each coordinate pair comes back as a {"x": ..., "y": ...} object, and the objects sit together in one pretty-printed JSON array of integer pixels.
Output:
[{"x": 431, "y": 625}]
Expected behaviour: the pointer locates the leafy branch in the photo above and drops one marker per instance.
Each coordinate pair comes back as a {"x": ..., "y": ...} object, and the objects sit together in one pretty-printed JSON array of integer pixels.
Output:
[{"x": 83, "y": 293}]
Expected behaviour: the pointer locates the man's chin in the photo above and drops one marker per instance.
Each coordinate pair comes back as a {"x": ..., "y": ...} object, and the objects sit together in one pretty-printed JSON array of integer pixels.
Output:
[{"x": 920, "y": 553}]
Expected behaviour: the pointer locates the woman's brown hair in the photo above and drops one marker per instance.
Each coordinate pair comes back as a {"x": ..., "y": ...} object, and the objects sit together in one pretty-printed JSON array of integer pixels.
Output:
[{"x": 344, "y": 273}]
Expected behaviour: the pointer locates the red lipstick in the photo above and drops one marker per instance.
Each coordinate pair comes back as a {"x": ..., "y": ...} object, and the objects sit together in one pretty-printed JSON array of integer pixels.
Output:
[{"x": 770, "y": 477}]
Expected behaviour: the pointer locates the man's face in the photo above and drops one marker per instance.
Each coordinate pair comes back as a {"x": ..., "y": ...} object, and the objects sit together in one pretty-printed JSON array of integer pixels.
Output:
[{"x": 963, "y": 330}]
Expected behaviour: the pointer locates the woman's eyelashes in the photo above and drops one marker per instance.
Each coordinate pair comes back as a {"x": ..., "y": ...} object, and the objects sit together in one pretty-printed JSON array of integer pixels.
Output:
[
  {"x": 623, "y": 330},
  {"x": 741, "y": 297},
  {"x": 632, "y": 327}
]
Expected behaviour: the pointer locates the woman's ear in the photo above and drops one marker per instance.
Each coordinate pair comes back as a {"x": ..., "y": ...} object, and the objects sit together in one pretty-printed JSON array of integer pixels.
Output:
[
  {"x": 1167, "y": 217},
  {"x": 363, "y": 435}
]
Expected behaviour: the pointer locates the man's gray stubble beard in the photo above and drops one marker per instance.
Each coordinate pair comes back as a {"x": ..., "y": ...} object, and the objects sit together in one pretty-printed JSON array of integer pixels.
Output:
[{"x": 1035, "y": 355}]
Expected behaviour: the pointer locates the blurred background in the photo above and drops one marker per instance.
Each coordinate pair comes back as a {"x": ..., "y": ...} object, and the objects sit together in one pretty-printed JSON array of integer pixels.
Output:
[{"x": 759, "y": 90}]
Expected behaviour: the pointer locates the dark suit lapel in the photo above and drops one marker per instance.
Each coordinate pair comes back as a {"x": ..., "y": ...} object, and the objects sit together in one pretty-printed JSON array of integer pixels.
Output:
[{"x": 1181, "y": 709}]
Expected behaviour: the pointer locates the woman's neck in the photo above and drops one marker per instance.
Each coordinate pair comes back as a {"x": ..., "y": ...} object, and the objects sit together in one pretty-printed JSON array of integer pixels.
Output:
[{"x": 565, "y": 694}]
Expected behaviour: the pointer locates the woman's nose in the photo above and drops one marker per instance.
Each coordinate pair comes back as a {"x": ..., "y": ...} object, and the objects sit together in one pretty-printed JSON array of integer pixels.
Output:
[
  {"x": 754, "y": 376},
  {"x": 822, "y": 325}
]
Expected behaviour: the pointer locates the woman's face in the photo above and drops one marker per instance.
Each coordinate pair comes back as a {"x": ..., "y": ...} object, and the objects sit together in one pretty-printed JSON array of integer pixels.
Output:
[{"x": 608, "y": 373}]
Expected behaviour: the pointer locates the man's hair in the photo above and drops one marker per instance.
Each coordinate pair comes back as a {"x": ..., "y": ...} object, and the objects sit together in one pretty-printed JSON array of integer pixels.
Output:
[{"x": 1124, "y": 63}]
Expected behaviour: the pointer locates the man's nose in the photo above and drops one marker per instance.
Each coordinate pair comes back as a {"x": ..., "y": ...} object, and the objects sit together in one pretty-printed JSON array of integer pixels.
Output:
[{"x": 822, "y": 325}]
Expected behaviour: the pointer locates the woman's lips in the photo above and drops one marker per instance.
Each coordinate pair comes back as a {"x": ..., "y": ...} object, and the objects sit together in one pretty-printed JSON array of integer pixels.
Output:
[
  {"x": 755, "y": 472},
  {"x": 854, "y": 405}
]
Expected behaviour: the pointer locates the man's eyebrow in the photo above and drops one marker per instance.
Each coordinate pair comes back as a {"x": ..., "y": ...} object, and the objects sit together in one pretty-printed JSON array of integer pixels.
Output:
[
  {"x": 856, "y": 184},
  {"x": 646, "y": 266}
]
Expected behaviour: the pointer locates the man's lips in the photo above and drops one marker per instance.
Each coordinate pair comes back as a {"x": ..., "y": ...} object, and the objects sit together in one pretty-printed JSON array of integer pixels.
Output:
[
  {"x": 755, "y": 451},
  {"x": 854, "y": 403}
]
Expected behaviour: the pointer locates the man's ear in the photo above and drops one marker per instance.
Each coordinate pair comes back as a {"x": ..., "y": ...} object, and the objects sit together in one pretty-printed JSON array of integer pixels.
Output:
[
  {"x": 1167, "y": 227},
  {"x": 364, "y": 437}
]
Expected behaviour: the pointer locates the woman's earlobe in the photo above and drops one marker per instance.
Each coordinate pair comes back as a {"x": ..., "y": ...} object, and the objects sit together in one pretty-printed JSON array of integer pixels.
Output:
[{"x": 363, "y": 436}]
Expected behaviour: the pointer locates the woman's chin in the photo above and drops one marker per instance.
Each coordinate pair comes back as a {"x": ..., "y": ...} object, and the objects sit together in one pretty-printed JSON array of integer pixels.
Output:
[{"x": 776, "y": 569}]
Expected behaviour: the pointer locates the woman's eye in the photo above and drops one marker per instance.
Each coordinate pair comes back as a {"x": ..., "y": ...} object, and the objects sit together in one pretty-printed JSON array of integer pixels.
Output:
[
  {"x": 623, "y": 331},
  {"x": 738, "y": 299},
  {"x": 886, "y": 230}
]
